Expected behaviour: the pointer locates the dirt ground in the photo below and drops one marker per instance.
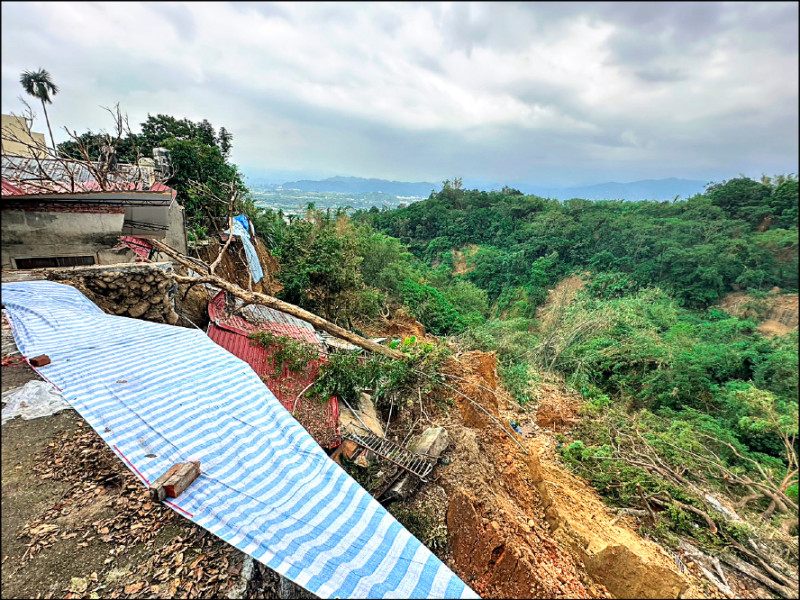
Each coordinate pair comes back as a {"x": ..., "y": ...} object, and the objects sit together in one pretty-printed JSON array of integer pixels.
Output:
[
  {"x": 521, "y": 526},
  {"x": 776, "y": 314},
  {"x": 77, "y": 524},
  {"x": 460, "y": 258}
]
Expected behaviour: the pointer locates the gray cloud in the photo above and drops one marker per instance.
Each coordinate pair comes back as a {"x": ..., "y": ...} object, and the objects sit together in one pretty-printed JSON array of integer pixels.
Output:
[
  {"x": 181, "y": 19},
  {"x": 656, "y": 74},
  {"x": 547, "y": 93}
]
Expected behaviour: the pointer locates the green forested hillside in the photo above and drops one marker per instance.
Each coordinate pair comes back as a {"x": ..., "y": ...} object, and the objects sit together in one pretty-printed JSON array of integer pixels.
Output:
[
  {"x": 681, "y": 398},
  {"x": 695, "y": 250}
]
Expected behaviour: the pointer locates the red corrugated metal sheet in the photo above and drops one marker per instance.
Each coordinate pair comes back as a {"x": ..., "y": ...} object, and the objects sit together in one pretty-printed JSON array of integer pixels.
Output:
[
  {"x": 58, "y": 181},
  {"x": 261, "y": 319},
  {"x": 321, "y": 421},
  {"x": 11, "y": 190},
  {"x": 241, "y": 346},
  {"x": 141, "y": 246},
  {"x": 160, "y": 187}
]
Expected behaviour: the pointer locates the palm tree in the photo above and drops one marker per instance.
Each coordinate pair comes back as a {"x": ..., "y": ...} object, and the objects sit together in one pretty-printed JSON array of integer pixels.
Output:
[{"x": 39, "y": 85}]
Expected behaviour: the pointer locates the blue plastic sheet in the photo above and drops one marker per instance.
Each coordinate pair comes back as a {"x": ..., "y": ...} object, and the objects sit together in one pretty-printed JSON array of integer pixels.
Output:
[{"x": 243, "y": 228}]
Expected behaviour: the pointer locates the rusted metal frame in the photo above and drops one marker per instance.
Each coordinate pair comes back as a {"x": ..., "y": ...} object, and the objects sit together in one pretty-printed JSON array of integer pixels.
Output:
[{"x": 364, "y": 443}]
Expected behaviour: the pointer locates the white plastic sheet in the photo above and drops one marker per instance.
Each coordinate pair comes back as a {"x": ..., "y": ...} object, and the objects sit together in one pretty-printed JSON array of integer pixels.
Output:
[{"x": 33, "y": 400}]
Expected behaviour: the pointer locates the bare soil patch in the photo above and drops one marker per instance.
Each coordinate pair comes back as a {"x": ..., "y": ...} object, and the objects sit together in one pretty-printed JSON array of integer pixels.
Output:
[
  {"x": 559, "y": 298},
  {"x": 776, "y": 314},
  {"x": 461, "y": 258},
  {"x": 521, "y": 525}
]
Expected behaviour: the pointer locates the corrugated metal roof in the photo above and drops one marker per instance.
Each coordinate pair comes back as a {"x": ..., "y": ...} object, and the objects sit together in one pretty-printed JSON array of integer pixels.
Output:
[
  {"x": 11, "y": 190},
  {"x": 320, "y": 420},
  {"x": 241, "y": 346},
  {"x": 141, "y": 246},
  {"x": 337, "y": 343},
  {"x": 260, "y": 318},
  {"x": 47, "y": 175}
]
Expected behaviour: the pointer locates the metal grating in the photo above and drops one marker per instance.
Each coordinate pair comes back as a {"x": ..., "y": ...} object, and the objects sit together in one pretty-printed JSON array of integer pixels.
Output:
[{"x": 405, "y": 459}]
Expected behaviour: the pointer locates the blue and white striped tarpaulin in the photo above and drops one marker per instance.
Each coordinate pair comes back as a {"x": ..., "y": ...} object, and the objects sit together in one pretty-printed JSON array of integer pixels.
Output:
[{"x": 160, "y": 395}]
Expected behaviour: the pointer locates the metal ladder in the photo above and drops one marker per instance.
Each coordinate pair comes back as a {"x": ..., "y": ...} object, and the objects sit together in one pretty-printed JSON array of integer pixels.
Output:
[{"x": 415, "y": 464}]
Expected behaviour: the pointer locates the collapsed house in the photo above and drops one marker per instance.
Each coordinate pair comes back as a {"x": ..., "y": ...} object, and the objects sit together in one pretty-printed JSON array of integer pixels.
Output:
[{"x": 264, "y": 484}]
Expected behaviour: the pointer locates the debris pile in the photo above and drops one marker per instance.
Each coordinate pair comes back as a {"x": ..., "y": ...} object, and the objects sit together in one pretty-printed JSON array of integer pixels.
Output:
[
  {"x": 519, "y": 524},
  {"x": 556, "y": 410}
]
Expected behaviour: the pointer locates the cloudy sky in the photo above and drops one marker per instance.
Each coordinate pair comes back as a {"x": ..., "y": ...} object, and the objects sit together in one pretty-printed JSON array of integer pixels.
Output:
[{"x": 553, "y": 94}]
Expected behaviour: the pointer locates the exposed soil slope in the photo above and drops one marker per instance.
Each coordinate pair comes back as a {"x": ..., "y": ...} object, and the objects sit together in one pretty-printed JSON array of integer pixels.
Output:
[
  {"x": 460, "y": 258},
  {"x": 776, "y": 314},
  {"x": 521, "y": 526}
]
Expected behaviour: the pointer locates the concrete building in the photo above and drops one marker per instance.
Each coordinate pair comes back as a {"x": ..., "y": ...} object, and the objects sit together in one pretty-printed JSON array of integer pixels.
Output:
[
  {"x": 59, "y": 230},
  {"x": 17, "y": 138},
  {"x": 60, "y": 212}
]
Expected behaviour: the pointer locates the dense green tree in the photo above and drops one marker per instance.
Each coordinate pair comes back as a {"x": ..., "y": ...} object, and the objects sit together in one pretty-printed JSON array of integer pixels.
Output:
[
  {"x": 225, "y": 142},
  {"x": 194, "y": 162},
  {"x": 199, "y": 168},
  {"x": 696, "y": 249},
  {"x": 159, "y": 128},
  {"x": 128, "y": 148},
  {"x": 742, "y": 198}
]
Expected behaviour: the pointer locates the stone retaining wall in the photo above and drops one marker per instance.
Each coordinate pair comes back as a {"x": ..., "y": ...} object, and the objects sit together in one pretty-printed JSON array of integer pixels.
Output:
[{"x": 141, "y": 290}]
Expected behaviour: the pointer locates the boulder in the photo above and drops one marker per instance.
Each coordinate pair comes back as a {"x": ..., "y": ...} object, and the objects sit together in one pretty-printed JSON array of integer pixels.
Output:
[
  {"x": 367, "y": 413},
  {"x": 139, "y": 309}
]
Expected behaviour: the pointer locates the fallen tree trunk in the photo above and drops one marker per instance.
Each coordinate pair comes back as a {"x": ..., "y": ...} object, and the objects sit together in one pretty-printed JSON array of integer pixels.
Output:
[
  {"x": 270, "y": 301},
  {"x": 755, "y": 573},
  {"x": 712, "y": 526}
]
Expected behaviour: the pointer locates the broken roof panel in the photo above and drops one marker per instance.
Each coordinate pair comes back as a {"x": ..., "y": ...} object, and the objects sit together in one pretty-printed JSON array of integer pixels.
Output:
[
  {"x": 320, "y": 418},
  {"x": 159, "y": 395},
  {"x": 11, "y": 190},
  {"x": 141, "y": 246},
  {"x": 255, "y": 317},
  {"x": 28, "y": 175}
]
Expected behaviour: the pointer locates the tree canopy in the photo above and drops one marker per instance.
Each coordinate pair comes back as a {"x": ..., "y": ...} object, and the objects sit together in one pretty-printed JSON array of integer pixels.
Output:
[
  {"x": 199, "y": 158},
  {"x": 39, "y": 84}
]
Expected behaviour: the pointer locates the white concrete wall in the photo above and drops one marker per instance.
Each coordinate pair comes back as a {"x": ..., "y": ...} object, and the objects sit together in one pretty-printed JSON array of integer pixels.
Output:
[
  {"x": 176, "y": 234},
  {"x": 31, "y": 234}
]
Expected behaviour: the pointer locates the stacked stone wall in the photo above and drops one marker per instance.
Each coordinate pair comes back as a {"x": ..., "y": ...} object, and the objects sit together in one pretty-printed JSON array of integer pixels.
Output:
[{"x": 142, "y": 290}]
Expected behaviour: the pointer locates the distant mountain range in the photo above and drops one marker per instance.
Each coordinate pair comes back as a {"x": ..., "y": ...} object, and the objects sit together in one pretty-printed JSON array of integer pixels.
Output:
[
  {"x": 646, "y": 189},
  {"x": 359, "y": 185}
]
